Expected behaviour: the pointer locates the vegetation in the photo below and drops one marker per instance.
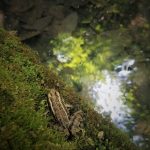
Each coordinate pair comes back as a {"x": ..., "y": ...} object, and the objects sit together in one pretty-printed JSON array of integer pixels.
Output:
[
  {"x": 108, "y": 32},
  {"x": 26, "y": 123}
]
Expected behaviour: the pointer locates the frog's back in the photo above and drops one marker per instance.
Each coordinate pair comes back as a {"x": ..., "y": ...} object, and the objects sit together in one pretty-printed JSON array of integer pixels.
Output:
[{"x": 58, "y": 108}]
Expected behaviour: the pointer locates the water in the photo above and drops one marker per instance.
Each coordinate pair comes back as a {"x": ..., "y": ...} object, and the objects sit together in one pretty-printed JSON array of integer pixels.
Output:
[
  {"x": 109, "y": 94},
  {"x": 110, "y": 98}
]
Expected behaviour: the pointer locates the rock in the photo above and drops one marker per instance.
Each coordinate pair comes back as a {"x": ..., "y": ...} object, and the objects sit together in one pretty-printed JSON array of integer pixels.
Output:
[
  {"x": 27, "y": 35},
  {"x": 67, "y": 25},
  {"x": 31, "y": 18},
  {"x": 74, "y": 3},
  {"x": 18, "y": 6},
  {"x": 57, "y": 11},
  {"x": 39, "y": 24},
  {"x": 39, "y": 10},
  {"x": 12, "y": 23}
]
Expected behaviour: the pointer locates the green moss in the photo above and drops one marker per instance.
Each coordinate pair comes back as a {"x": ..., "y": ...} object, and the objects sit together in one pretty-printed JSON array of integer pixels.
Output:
[
  {"x": 24, "y": 124},
  {"x": 21, "y": 92}
]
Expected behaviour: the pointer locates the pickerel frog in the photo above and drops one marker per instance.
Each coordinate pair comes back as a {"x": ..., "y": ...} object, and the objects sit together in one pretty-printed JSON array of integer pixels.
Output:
[{"x": 71, "y": 123}]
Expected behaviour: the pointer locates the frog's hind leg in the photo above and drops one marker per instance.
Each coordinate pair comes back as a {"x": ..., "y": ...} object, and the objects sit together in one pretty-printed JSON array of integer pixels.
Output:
[{"x": 75, "y": 122}]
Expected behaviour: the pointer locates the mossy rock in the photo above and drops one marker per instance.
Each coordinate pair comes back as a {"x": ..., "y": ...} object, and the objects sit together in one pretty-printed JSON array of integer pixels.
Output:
[{"x": 24, "y": 123}]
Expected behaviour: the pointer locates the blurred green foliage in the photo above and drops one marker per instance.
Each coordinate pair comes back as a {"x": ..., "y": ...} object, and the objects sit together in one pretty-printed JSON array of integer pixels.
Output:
[{"x": 86, "y": 54}]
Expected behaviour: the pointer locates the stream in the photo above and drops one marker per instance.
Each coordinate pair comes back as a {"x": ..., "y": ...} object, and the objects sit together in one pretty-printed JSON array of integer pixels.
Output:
[{"x": 110, "y": 95}]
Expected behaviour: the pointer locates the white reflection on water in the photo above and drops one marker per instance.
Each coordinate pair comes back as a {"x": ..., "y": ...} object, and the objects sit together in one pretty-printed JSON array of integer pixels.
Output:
[{"x": 108, "y": 95}]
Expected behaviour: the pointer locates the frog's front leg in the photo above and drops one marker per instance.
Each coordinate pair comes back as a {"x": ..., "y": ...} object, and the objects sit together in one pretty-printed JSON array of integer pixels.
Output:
[{"x": 75, "y": 122}]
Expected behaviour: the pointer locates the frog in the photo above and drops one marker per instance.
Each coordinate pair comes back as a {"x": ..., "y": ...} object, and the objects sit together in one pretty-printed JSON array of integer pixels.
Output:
[{"x": 71, "y": 123}]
